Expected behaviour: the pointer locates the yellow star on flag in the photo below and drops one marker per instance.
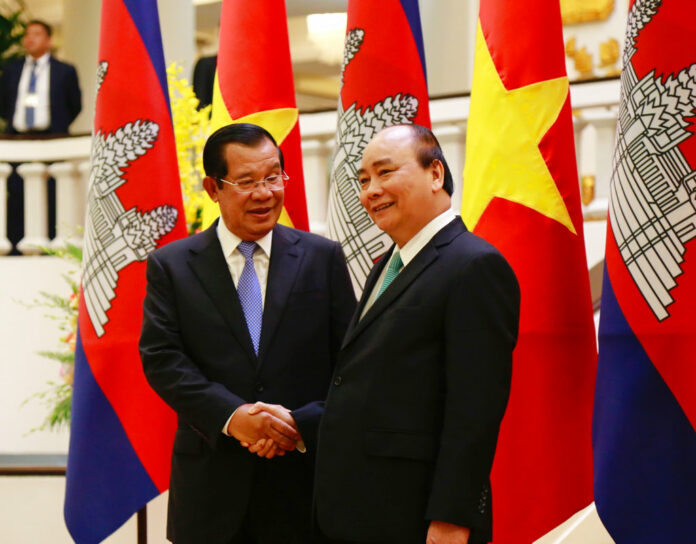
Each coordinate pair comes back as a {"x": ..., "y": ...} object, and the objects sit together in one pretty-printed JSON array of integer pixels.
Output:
[
  {"x": 279, "y": 122},
  {"x": 502, "y": 152}
]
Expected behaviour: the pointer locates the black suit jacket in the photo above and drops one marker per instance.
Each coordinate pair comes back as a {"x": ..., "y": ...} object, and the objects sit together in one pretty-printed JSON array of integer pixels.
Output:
[
  {"x": 204, "y": 80},
  {"x": 198, "y": 356},
  {"x": 421, "y": 384},
  {"x": 64, "y": 94}
]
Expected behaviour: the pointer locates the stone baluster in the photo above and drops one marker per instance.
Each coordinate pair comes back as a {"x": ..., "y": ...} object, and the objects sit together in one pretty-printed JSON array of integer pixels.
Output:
[
  {"x": 84, "y": 169},
  {"x": 315, "y": 155},
  {"x": 595, "y": 145},
  {"x": 66, "y": 202},
  {"x": 35, "y": 208},
  {"x": 605, "y": 142},
  {"x": 587, "y": 163},
  {"x": 5, "y": 171}
]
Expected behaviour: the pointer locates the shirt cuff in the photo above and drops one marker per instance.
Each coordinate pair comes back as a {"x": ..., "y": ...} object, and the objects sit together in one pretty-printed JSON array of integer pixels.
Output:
[{"x": 227, "y": 423}]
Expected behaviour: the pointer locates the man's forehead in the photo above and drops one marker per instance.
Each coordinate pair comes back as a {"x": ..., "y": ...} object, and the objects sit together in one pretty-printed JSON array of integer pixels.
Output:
[
  {"x": 387, "y": 147},
  {"x": 36, "y": 27}
]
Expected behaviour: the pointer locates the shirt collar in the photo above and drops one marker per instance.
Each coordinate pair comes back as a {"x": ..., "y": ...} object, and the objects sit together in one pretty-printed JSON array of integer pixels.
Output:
[
  {"x": 41, "y": 61},
  {"x": 423, "y": 236},
  {"x": 229, "y": 241}
]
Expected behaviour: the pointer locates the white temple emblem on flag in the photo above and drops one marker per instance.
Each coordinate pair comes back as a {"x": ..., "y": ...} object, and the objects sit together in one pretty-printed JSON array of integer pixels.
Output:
[
  {"x": 653, "y": 200},
  {"x": 116, "y": 237}
]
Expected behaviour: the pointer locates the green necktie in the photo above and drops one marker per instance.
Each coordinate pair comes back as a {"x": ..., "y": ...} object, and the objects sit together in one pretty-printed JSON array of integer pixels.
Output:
[{"x": 393, "y": 270}]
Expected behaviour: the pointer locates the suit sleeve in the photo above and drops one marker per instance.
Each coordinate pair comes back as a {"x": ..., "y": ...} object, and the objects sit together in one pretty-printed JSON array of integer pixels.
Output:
[
  {"x": 203, "y": 404},
  {"x": 3, "y": 107},
  {"x": 73, "y": 94},
  {"x": 481, "y": 324},
  {"x": 342, "y": 306},
  {"x": 6, "y": 93}
]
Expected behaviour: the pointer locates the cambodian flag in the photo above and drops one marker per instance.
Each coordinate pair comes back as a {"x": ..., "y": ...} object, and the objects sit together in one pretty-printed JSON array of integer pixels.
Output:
[
  {"x": 121, "y": 432},
  {"x": 383, "y": 83},
  {"x": 644, "y": 428}
]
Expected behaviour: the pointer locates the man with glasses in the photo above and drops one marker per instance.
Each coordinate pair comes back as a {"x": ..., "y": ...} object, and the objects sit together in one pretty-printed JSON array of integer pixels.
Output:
[{"x": 242, "y": 324}]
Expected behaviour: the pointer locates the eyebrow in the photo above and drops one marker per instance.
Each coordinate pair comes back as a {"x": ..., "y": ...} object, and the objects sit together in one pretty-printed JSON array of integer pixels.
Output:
[
  {"x": 377, "y": 164},
  {"x": 250, "y": 175}
]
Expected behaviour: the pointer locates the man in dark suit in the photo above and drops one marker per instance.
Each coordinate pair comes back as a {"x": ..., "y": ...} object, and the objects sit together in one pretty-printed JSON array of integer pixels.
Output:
[
  {"x": 39, "y": 94},
  {"x": 410, "y": 425},
  {"x": 243, "y": 312},
  {"x": 204, "y": 80}
]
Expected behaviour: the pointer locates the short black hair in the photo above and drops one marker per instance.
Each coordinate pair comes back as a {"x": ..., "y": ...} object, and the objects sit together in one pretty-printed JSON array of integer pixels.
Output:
[
  {"x": 48, "y": 28},
  {"x": 428, "y": 150},
  {"x": 214, "y": 162}
]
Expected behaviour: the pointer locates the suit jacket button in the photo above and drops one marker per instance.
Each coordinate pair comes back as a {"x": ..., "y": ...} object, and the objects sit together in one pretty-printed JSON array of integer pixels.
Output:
[
  {"x": 337, "y": 381},
  {"x": 259, "y": 388}
]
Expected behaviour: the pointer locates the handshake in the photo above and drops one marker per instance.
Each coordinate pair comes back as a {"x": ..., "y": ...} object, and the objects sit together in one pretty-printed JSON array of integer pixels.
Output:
[{"x": 265, "y": 429}]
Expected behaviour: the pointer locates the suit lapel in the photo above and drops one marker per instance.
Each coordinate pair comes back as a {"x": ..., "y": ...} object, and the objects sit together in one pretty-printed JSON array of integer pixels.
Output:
[
  {"x": 426, "y": 256},
  {"x": 370, "y": 282},
  {"x": 408, "y": 275},
  {"x": 286, "y": 260},
  {"x": 210, "y": 266}
]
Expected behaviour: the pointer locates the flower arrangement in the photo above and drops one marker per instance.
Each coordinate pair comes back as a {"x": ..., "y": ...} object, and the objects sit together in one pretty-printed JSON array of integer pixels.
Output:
[
  {"x": 58, "y": 397},
  {"x": 191, "y": 129}
]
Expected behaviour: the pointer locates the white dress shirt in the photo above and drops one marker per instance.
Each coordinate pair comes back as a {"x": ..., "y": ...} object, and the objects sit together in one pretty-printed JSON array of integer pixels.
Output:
[
  {"x": 41, "y": 98},
  {"x": 235, "y": 260},
  {"x": 235, "y": 263},
  {"x": 410, "y": 250}
]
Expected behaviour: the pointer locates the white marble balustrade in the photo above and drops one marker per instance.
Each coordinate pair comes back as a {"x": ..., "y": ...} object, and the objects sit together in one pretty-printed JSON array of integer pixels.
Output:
[
  {"x": 66, "y": 160},
  {"x": 595, "y": 106}
]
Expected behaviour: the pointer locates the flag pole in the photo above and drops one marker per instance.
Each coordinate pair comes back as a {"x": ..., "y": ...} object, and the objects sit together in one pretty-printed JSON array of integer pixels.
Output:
[{"x": 142, "y": 525}]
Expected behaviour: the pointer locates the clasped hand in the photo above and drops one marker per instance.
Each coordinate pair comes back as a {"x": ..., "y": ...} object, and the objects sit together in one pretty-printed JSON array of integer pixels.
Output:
[{"x": 265, "y": 429}]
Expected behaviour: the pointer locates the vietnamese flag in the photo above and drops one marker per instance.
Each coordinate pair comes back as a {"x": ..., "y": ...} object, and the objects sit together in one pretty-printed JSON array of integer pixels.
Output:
[
  {"x": 521, "y": 193},
  {"x": 254, "y": 84}
]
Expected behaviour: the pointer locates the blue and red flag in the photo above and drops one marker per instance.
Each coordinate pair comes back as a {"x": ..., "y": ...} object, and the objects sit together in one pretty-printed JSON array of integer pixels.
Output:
[
  {"x": 644, "y": 428},
  {"x": 121, "y": 431},
  {"x": 383, "y": 83}
]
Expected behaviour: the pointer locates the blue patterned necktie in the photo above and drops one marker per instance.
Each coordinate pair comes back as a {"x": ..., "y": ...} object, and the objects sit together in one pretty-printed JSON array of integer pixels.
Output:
[
  {"x": 395, "y": 266},
  {"x": 29, "y": 110},
  {"x": 249, "y": 292}
]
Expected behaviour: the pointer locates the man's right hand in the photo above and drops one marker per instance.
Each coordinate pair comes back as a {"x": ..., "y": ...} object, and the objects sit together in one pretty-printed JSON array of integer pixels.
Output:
[{"x": 250, "y": 428}]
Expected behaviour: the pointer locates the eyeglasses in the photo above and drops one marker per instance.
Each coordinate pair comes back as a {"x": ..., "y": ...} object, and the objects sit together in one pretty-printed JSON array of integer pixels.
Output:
[{"x": 273, "y": 182}]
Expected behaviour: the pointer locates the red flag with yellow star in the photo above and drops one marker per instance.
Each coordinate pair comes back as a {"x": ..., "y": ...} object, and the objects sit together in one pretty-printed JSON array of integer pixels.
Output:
[
  {"x": 521, "y": 193},
  {"x": 254, "y": 84}
]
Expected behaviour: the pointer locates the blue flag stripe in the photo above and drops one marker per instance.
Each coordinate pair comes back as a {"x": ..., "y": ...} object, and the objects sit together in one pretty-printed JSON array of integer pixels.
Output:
[
  {"x": 100, "y": 460},
  {"x": 146, "y": 19},
  {"x": 644, "y": 445},
  {"x": 412, "y": 12}
]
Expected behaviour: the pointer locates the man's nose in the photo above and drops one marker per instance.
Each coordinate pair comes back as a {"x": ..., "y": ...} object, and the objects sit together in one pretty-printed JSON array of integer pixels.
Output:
[
  {"x": 374, "y": 188},
  {"x": 261, "y": 192}
]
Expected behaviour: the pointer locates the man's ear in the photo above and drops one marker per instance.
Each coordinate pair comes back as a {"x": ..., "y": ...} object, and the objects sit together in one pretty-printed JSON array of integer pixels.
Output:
[
  {"x": 438, "y": 172},
  {"x": 211, "y": 187}
]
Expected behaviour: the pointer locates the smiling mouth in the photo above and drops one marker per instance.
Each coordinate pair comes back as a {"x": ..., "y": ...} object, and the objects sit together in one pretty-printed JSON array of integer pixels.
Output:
[
  {"x": 260, "y": 211},
  {"x": 382, "y": 207}
]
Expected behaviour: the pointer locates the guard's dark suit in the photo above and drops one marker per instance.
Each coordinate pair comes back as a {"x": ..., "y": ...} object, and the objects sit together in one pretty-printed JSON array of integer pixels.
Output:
[
  {"x": 64, "y": 94},
  {"x": 421, "y": 384},
  {"x": 198, "y": 356}
]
